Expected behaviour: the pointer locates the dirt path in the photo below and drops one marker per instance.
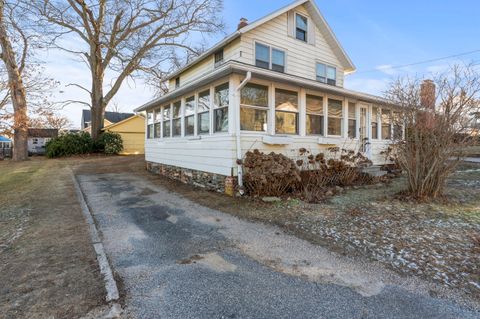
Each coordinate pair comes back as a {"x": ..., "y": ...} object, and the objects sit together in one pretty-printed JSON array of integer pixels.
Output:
[
  {"x": 48, "y": 268},
  {"x": 178, "y": 259}
]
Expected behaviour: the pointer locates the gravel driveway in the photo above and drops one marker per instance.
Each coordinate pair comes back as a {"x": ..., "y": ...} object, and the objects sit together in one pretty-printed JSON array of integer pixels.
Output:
[{"x": 178, "y": 259}]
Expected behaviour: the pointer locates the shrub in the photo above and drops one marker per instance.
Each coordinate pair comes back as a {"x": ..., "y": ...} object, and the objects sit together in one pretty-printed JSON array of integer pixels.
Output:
[
  {"x": 269, "y": 174},
  {"x": 310, "y": 175},
  {"x": 110, "y": 143},
  {"x": 82, "y": 143},
  {"x": 70, "y": 144}
]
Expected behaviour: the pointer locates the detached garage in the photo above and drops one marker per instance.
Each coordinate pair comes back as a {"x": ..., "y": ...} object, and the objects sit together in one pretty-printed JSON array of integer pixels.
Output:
[{"x": 132, "y": 131}]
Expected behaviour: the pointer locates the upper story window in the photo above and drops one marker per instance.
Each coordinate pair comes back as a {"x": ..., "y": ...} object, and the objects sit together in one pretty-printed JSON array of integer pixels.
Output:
[
  {"x": 254, "y": 107},
  {"x": 177, "y": 82},
  {"x": 269, "y": 58},
  {"x": 326, "y": 74},
  {"x": 301, "y": 27},
  {"x": 218, "y": 57}
]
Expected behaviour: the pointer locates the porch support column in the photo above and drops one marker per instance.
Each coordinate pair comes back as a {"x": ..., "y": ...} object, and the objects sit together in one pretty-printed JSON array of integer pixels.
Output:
[
  {"x": 302, "y": 112},
  {"x": 345, "y": 118}
]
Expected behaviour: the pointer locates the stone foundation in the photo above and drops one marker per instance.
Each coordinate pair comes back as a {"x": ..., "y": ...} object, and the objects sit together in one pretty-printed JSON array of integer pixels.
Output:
[{"x": 206, "y": 180}]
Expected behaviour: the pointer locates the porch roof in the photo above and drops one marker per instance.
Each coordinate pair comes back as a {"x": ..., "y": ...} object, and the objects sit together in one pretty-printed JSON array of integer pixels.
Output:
[{"x": 259, "y": 73}]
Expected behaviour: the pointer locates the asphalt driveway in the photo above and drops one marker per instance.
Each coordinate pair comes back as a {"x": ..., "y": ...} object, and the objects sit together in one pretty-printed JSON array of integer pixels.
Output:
[{"x": 178, "y": 259}]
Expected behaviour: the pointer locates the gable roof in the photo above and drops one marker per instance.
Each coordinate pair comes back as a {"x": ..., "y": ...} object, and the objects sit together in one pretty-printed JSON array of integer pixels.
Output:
[
  {"x": 123, "y": 121},
  {"x": 112, "y": 117},
  {"x": 42, "y": 132},
  {"x": 316, "y": 16}
]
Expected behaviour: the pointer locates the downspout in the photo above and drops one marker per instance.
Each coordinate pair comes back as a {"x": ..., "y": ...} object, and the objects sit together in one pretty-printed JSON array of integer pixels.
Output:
[{"x": 237, "y": 133}]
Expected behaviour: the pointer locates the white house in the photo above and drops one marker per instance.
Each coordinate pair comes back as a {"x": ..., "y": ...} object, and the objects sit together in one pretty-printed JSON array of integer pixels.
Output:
[
  {"x": 274, "y": 85},
  {"x": 38, "y": 138}
]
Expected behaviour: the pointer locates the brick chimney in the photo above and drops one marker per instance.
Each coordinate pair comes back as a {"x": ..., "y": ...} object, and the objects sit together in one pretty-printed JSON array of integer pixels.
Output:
[
  {"x": 427, "y": 94},
  {"x": 243, "y": 23}
]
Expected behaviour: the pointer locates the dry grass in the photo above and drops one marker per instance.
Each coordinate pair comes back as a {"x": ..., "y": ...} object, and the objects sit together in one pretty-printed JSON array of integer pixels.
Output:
[{"x": 48, "y": 268}]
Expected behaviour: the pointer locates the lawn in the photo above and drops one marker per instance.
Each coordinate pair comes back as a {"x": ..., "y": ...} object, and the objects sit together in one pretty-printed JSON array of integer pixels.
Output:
[{"x": 48, "y": 267}]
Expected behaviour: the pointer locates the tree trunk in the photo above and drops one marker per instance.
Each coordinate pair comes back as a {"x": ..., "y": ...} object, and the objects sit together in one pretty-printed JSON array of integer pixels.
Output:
[
  {"x": 17, "y": 91},
  {"x": 98, "y": 101}
]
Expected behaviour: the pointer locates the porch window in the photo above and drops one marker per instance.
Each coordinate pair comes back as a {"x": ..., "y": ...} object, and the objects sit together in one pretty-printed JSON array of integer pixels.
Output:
[
  {"x": 374, "y": 123},
  {"x": 149, "y": 124},
  {"x": 315, "y": 115},
  {"x": 177, "y": 119},
  {"x": 352, "y": 120},
  {"x": 326, "y": 74},
  {"x": 301, "y": 23},
  {"x": 254, "y": 107},
  {"x": 221, "y": 101},
  {"x": 190, "y": 116},
  {"x": 335, "y": 118},
  {"x": 203, "y": 112},
  {"x": 397, "y": 126},
  {"x": 166, "y": 121},
  {"x": 386, "y": 124},
  {"x": 158, "y": 124},
  {"x": 286, "y": 112},
  {"x": 267, "y": 57}
]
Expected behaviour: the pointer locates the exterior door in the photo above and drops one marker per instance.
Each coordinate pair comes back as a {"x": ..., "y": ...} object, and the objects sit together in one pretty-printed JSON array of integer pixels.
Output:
[{"x": 363, "y": 128}]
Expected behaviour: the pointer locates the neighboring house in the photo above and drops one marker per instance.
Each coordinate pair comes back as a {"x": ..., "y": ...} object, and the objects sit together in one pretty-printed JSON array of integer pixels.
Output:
[
  {"x": 5, "y": 142},
  {"x": 273, "y": 85},
  {"x": 132, "y": 131},
  {"x": 5, "y": 147},
  {"x": 110, "y": 118},
  {"x": 38, "y": 137}
]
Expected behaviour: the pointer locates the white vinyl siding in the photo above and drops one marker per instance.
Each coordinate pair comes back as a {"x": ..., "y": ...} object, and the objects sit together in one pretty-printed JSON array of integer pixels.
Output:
[{"x": 301, "y": 57}]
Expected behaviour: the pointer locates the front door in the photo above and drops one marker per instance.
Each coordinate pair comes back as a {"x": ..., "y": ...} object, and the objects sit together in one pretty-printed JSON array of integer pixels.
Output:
[{"x": 364, "y": 138}]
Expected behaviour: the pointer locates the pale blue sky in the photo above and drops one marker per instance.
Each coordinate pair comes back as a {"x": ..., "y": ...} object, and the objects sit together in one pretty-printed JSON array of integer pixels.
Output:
[{"x": 375, "y": 34}]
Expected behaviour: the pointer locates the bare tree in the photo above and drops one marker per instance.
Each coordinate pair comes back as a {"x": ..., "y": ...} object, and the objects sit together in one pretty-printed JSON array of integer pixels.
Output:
[
  {"x": 50, "y": 119},
  {"x": 9, "y": 28},
  {"x": 39, "y": 96},
  {"x": 437, "y": 116},
  {"x": 126, "y": 37}
]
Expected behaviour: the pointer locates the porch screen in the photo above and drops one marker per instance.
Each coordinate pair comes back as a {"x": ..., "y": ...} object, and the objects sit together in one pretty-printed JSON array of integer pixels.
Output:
[
  {"x": 315, "y": 115},
  {"x": 166, "y": 121},
  {"x": 374, "y": 123},
  {"x": 335, "y": 118},
  {"x": 352, "y": 120},
  {"x": 177, "y": 119},
  {"x": 190, "y": 116},
  {"x": 203, "y": 112},
  {"x": 221, "y": 108},
  {"x": 286, "y": 112},
  {"x": 254, "y": 107},
  {"x": 386, "y": 124}
]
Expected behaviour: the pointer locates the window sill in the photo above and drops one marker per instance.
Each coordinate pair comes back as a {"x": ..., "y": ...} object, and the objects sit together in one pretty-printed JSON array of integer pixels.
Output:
[{"x": 277, "y": 140}]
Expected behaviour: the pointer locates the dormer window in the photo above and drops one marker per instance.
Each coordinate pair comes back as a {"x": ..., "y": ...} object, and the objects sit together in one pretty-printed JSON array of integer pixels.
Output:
[
  {"x": 177, "y": 82},
  {"x": 270, "y": 58},
  {"x": 301, "y": 24},
  {"x": 326, "y": 74},
  {"x": 219, "y": 57}
]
